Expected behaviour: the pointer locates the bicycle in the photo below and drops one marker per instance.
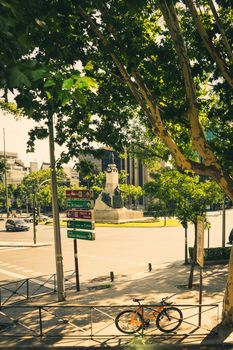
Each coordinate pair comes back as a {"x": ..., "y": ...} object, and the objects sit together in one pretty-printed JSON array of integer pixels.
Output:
[{"x": 168, "y": 318}]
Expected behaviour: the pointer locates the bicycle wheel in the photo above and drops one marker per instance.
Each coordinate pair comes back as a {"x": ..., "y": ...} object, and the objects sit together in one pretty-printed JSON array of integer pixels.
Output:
[
  {"x": 169, "y": 319},
  {"x": 129, "y": 321}
]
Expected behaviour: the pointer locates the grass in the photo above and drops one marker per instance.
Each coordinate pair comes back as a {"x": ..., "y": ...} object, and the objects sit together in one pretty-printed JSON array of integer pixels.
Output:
[{"x": 151, "y": 223}]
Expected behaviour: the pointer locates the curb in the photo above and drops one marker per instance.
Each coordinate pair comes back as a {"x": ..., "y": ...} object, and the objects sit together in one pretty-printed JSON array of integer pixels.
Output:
[{"x": 24, "y": 245}]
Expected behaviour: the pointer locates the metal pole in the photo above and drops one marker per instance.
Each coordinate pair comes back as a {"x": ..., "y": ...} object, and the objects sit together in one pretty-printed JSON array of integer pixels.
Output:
[
  {"x": 5, "y": 174},
  {"x": 200, "y": 297},
  {"x": 186, "y": 245},
  {"x": 34, "y": 216},
  {"x": 208, "y": 242},
  {"x": 224, "y": 222},
  {"x": 56, "y": 222},
  {"x": 76, "y": 265}
]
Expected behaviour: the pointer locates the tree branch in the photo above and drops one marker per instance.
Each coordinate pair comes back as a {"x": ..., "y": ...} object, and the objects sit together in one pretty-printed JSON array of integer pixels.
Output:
[
  {"x": 221, "y": 30},
  {"x": 208, "y": 44},
  {"x": 143, "y": 96},
  {"x": 197, "y": 134}
]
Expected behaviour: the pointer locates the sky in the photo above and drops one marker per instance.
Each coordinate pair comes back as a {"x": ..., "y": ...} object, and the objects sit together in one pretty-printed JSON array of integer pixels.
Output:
[{"x": 16, "y": 136}]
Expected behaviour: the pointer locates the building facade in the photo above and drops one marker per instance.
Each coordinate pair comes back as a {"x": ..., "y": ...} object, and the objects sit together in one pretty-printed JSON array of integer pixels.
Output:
[{"x": 16, "y": 170}]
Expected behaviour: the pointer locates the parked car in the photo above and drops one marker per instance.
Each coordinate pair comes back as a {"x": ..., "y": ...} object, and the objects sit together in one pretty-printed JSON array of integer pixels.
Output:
[
  {"x": 16, "y": 225},
  {"x": 29, "y": 219},
  {"x": 43, "y": 217}
]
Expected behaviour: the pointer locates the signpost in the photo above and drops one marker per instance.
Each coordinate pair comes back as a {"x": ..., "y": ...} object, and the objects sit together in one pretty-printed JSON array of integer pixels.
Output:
[
  {"x": 87, "y": 235},
  {"x": 80, "y": 214},
  {"x": 80, "y": 203},
  {"x": 200, "y": 257},
  {"x": 85, "y": 225}
]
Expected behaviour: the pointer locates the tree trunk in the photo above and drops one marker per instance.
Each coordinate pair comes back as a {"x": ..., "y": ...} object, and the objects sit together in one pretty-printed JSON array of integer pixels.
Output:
[
  {"x": 190, "y": 282},
  {"x": 227, "y": 313}
]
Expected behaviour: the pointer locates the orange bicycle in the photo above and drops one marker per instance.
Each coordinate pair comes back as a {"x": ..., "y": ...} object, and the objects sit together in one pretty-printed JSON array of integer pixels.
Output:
[{"x": 168, "y": 318}]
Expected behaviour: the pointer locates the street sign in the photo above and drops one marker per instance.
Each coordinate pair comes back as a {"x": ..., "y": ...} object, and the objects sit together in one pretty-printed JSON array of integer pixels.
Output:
[
  {"x": 80, "y": 214},
  {"x": 200, "y": 240},
  {"x": 85, "y": 225},
  {"x": 79, "y": 194},
  {"x": 86, "y": 235},
  {"x": 80, "y": 204}
]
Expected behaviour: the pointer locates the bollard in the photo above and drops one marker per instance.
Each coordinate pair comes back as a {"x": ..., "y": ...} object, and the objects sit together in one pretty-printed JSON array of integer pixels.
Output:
[
  {"x": 112, "y": 276},
  {"x": 150, "y": 267}
]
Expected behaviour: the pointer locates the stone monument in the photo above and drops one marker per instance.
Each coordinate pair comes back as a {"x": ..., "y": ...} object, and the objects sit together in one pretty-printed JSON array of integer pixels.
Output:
[{"x": 109, "y": 205}]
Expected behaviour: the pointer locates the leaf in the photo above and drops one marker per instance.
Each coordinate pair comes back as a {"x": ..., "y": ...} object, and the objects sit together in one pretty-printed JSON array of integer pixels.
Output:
[
  {"x": 18, "y": 79},
  {"x": 68, "y": 83},
  {"x": 49, "y": 96},
  {"x": 89, "y": 66},
  {"x": 49, "y": 83},
  {"x": 86, "y": 82},
  {"x": 38, "y": 74}
]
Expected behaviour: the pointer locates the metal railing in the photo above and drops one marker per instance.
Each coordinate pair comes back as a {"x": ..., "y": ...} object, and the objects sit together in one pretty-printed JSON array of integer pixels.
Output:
[
  {"x": 92, "y": 322},
  {"x": 25, "y": 289}
]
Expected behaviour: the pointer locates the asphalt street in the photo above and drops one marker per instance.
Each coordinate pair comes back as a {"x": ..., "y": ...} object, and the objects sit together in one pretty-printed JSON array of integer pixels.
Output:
[{"x": 121, "y": 250}]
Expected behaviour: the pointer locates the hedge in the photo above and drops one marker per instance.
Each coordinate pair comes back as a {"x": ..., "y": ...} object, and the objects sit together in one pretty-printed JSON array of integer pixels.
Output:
[{"x": 214, "y": 254}]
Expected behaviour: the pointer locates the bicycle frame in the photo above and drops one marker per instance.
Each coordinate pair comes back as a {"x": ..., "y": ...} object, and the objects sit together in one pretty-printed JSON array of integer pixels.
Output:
[{"x": 140, "y": 309}]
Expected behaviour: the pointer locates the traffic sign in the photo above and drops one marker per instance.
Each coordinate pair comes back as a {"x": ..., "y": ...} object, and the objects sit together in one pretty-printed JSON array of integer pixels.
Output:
[
  {"x": 86, "y": 235},
  {"x": 85, "y": 225},
  {"x": 80, "y": 204},
  {"x": 79, "y": 194},
  {"x": 80, "y": 214}
]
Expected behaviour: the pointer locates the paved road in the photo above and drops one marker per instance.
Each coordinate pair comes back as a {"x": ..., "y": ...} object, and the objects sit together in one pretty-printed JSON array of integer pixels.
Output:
[{"x": 121, "y": 250}]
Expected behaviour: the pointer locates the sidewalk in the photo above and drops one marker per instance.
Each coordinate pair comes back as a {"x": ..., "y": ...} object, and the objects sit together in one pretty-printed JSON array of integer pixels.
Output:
[{"x": 103, "y": 296}]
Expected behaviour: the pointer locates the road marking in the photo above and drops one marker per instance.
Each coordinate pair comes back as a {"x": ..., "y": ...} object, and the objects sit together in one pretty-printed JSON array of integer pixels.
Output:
[
  {"x": 12, "y": 274},
  {"x": 28, "y": 270},
  {"x": 4, "y": 249},
  {"x": 12, "y": 265},
  {"x": 19, "y": 268}
]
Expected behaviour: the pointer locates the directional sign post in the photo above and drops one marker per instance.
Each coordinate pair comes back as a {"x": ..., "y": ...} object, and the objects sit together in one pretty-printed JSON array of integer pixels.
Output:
[
  {"x": 85, "y": 225},
  {"x": 80, "y": 203},
  {"x": 81, "y": 223},
  {"x": 87, "y": 235}
]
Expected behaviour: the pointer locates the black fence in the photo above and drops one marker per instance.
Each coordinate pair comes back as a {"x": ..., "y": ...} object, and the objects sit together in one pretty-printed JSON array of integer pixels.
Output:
[
  {"x": 56, "y": 323},
  {"x": 25, "y": 289}
]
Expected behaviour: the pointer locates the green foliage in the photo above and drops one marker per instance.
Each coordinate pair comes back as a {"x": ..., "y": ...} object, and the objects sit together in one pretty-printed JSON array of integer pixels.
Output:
[
  {"x": 184, "y": 195},
  {"x": 37, "y": 185},
  {"x": 214, "y": 254},
  {"x": 135, "y": 192}
]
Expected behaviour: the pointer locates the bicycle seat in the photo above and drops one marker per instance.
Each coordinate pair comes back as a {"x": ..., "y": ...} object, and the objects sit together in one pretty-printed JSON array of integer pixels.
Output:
[{"x": 137, "y": 300}]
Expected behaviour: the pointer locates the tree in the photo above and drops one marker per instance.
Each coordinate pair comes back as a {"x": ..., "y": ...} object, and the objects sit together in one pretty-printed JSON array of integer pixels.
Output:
[
  {"x": 130, "y": 192},
  {"x": 177, "y": 66},
  {"x": 170, "y": 60},
  {"x": 36, "y": 186},
  {"x": 186, "y": 196}
]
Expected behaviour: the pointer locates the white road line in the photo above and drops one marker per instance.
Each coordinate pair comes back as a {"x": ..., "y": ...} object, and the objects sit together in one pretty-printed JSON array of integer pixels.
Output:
[
  {"x": 16, "y": 275},
  {"x": 37, "y": 273},
  {"x": 12, "y": 266},
  {"x": 4, "y": 264},
  {"x": 28, "y": 270},
  {"x": 4, "y": 249},
  {"x": 19, "y": 268},
  {"x": 12, "y": 274}
]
